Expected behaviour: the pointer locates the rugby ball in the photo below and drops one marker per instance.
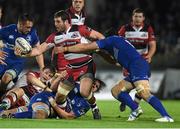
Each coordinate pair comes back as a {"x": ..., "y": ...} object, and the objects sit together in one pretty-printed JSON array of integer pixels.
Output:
[{"x": 23, "y": 44}]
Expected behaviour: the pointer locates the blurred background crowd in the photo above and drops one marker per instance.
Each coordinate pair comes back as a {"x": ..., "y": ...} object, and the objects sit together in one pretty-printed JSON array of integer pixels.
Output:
[{"x": 107, "y": 16}]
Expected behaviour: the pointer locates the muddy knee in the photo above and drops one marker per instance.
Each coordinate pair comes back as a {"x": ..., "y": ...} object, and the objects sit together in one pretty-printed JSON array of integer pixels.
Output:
[{"x": 143, "y": 89}]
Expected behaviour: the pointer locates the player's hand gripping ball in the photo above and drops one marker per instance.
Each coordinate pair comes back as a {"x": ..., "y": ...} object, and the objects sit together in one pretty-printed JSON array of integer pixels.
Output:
[{"x": 22, "y": 46}]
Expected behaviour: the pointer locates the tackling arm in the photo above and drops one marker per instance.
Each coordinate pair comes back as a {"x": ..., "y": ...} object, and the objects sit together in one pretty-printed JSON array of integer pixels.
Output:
[
  {"x": 96, "y": 35},
  {"x": 78, "y": 48}
]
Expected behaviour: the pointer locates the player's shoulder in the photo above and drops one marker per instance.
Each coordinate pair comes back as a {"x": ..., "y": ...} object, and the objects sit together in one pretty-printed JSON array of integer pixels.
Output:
[
  {"x": 147, "y": 25},
  {"x": 34, "y": 73},
  {"x": 50, "y": 38},
  {"x": 33, "y": 31},
  {"x": 127, "y": 26},
  {"x": 10, "y": 27}
]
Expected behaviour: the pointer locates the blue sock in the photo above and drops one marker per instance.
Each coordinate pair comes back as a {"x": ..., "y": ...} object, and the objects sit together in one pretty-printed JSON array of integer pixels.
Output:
[
  {"x": 157, "y": 105},
  {"x": 27, "y": 114},
  {"x": 126, "y": 98}
]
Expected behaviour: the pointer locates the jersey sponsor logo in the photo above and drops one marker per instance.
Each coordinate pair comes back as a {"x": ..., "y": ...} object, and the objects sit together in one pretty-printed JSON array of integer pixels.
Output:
[
  {"x": 77, "y": 21},
  {"x": 74, "y": 35},
  {"x": 71, "y": 36},
  {"x": 135, "y": 34}
]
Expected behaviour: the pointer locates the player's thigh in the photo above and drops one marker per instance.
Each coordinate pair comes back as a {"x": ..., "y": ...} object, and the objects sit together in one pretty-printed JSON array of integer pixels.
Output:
[
  {"x": 86, "y": 78},
  {"x": 143, "y": 88},
  {"x": 123, "y": 85},
  {"x": 15, "y": 69}
]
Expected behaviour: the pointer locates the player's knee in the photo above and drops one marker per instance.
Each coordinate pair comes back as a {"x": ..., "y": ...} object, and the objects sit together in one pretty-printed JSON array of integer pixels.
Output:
[
  {"x": 114, "y": 92},
  {"x": 121, "y": 86},
  {"x": 40, "y": 114},
  {"x": 6, "y": 79},
  {"x": 143, "y": 90},
  {"x": 41, "y": 110}
]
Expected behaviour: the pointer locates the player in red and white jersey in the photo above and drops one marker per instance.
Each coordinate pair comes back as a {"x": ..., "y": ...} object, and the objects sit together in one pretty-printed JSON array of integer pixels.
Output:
[
  {"x": 25, "y": 88},
  {"x": 80, "y": 66},
  {"x": 141, "y": 36},
  {"x": 77, "y": 12}
]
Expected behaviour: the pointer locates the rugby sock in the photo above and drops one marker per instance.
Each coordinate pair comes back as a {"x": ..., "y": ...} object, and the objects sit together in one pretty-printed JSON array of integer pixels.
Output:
[
  {"x": 157, "y": 105},
  {"x": 27, "y": 114},
  {"x": 137, "y": 99},
  {"x": 126, "y": 98},
  {"x": 10, "y": 99},
  {"x": 92, "y": 103}
]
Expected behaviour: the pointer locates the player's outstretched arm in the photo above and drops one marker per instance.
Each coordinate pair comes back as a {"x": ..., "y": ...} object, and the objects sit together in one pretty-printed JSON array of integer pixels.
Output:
[
  {"x": 78, "y": 48},
  {"x": 36, "y": 51},
  {"x": 96, "y": 35}
]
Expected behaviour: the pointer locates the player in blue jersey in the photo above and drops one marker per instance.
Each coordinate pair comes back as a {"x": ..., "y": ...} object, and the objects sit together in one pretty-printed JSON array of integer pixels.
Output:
[
  {"x": 126, "y": 55},
  {"x": 41, "y": 104},
  {"x": 10, "y": 64}
]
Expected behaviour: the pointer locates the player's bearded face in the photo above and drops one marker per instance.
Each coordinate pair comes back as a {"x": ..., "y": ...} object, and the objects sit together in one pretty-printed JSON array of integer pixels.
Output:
[
  {"x": 78, "y": 5},
  {"x": 25, "y": 27},
  {"x": 138, "y": 19},
  {"x": 59, "y": 24}
]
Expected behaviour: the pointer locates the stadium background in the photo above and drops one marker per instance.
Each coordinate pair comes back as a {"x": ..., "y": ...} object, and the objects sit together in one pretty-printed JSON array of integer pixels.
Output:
[{"x": 107, "y": 16}]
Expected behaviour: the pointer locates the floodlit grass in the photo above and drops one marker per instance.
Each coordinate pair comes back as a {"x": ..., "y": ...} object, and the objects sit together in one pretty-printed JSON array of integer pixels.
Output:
[{"x": 111, "y": 118}]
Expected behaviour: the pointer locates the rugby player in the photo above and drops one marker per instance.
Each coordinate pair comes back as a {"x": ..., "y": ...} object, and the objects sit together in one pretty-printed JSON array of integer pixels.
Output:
[
  {"x": 141, "y": 35},
  {"x": 43, "y": 105},
  {"x": 11, "y": 65},
  {"x": 79, "y": 66},
  {"x": 77, "y": 12},
  {"x": 126, "y": 55},
  {"x": 26, "y": 87}
]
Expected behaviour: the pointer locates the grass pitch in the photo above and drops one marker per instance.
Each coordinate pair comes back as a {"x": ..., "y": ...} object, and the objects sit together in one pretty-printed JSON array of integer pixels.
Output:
[{"x": 111, "y": 118}]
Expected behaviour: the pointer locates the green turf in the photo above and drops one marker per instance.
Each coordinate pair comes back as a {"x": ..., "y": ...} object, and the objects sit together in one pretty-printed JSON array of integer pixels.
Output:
[{"x": 111, "y": 118}]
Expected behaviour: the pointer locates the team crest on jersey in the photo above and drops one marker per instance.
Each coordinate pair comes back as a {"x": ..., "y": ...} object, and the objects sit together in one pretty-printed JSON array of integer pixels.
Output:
[
  {"x": 28, "y": 38},
  {"x": 75, "y": 35}
]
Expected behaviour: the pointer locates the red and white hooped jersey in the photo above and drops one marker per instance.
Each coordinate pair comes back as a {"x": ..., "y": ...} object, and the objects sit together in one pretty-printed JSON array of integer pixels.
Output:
[
  {"x": 138, "y": 37},
  {"x": 74, "y": 35}
]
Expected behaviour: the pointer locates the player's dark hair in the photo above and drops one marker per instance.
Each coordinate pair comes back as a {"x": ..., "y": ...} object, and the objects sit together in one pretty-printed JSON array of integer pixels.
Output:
[
  {"x": 64, "y": 16},
  {"x": 138, "y": 10},
  {"x": 25, "y": 17},
  {"x": 102, "y": 84},
  {"x": 51, "y": 68}
]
